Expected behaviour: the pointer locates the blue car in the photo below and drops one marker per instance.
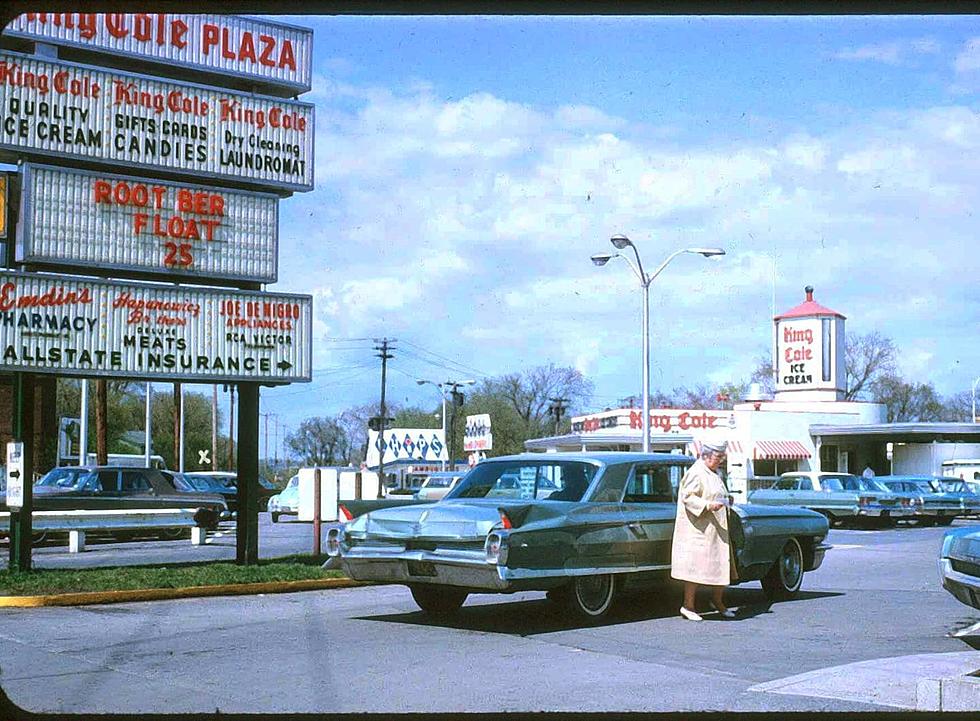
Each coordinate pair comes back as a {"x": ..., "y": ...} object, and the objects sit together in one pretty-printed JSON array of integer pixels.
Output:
[{"x": 959, "y": 565}]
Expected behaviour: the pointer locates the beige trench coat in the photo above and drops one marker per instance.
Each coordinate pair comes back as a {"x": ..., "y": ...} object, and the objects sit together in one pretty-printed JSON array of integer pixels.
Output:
[{"x": 699, "y": 550}]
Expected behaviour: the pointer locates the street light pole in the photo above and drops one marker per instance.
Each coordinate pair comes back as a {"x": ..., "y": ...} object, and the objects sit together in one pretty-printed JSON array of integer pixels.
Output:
[
  {"x": 973, "y": 396},
  {"x": 621, "y": 242},
  {"x": 442, "y": 392}
]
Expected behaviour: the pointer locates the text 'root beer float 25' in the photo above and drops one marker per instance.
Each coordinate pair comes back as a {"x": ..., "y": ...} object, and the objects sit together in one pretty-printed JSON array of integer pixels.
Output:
[{"x": 809, "y": 357}]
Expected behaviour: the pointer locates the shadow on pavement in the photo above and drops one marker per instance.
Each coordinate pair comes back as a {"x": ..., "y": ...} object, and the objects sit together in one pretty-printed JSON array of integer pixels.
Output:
[{"x": 537, "y": 616}]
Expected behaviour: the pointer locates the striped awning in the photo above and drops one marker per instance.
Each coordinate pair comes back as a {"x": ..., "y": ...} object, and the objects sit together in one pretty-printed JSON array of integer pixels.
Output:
[
  {"x": 734, "y": 448},
  {"x": 780, "y": 450}
]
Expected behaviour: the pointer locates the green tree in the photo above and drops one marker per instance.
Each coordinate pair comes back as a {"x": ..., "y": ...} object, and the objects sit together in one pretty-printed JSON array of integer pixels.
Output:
[{"x": 319, "y": 442}]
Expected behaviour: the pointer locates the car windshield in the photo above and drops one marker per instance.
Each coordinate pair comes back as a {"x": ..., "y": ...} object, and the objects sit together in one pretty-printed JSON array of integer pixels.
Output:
[
  {"x": 925, "y": 487},
  {"x": 439, "y": 481},
  {"x": 846, "y": 482},
  {"x": 63, "y": 478},
  {"x": 527, "y": 480},
  {"x": 200, "y": 483},
  {"x": 874, "y": 485},
  {"x": 954, "y": 486},
  {"x": 182, "y": 483}
]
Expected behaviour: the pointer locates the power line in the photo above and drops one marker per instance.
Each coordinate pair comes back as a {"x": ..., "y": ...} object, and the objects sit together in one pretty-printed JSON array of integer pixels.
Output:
[
  {"x": 457, "y": 368},
  {"x": 465, "y": 367}
]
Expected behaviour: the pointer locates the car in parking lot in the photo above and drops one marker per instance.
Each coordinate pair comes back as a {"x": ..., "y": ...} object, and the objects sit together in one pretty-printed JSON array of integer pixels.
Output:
[
  {"x": 932, "y": 504},
  {"x": 226, "y": 484},
  {"x": 438, "y": 484},
  {"x": 286, "y": 502},
  {"x": 839, "y": 496},
  {"x": 963, "y": 490},
  {"x": 607, "y": 526},
  {"x": 959, "y": 565},
  {"x": 119, "y": 487}
]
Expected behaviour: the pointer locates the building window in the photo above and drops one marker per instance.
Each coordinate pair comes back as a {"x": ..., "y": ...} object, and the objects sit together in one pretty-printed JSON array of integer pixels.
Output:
[
  {"x": 828, "y": 458},
  {"x": 773, "y": 467},
  {"x": 825, "y": 356}
]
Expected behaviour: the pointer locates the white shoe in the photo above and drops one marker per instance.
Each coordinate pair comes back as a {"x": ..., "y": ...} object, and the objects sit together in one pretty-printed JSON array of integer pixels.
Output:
[
  {"x": 690, "y": 615},
  {"x": 727, "y": 613}
]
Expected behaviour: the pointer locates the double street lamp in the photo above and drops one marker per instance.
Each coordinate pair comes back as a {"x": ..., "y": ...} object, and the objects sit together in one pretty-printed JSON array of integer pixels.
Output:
[{"x": 621, "y": 242}]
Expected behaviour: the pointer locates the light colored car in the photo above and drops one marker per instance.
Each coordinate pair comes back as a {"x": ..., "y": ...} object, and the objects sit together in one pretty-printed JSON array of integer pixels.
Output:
[
  {"x": 438, "y": 484},
  {"x": 286, "y": 502},
  {"x": 838, "y": 496},
  {"x": 959, "y": 565},
  {"x": 607, "y": 526}
]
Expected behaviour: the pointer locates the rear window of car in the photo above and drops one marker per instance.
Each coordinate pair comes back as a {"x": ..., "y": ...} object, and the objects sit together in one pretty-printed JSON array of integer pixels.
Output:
[
  {"x": 786, "y": 484},
  {"x": 527, "y": 480},
  {"x": 433, "y": 482}
]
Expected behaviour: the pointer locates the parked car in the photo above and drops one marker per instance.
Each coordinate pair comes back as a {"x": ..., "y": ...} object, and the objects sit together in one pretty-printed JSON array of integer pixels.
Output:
[
  {"x": 110, "y": 487},
  {"x": 963, "y": 490},
  {"x": 187, "y": 483},
  {"x": 286, "y": 502},
  {"x": 959, "y": 565},
  {"x": 606, "y": 527},
  {"x": 226, "y": 483},
  {"x": 438, "y": 484},
  {"x": 839, "y": 496},
  {"x": 933, "y": 506}
]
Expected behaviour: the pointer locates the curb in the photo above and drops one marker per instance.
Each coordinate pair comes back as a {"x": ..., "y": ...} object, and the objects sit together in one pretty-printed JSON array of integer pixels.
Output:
[{"x": 166, "y": 594}]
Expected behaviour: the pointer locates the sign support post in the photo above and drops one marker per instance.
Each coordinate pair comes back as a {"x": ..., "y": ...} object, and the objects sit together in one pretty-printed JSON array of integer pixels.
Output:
[
  {"x": 20, "y": 518},
  {"x": 247, "y": 523}
]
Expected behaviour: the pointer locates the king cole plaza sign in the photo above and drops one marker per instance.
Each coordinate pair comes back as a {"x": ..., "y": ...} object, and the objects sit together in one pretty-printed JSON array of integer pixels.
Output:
[
  {"x": 250, "y": 48},
  {"x": 55, "y": 109},
  {"x": 77, "y": 326},
  {"x": 78, "y": 218}
]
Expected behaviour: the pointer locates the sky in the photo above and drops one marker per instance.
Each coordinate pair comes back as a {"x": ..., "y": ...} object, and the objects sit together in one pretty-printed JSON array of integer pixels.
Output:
[{"x": 467, "y": 168}]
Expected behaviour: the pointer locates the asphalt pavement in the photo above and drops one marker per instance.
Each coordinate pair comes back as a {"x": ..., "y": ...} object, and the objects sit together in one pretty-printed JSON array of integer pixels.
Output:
[{"x": 871, "y": 630}]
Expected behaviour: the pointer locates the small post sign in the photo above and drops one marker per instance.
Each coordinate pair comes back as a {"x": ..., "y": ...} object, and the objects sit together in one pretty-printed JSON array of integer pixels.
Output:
[
  {"x": 15, "y": 474},
  {"x": 478, "y": 436}
]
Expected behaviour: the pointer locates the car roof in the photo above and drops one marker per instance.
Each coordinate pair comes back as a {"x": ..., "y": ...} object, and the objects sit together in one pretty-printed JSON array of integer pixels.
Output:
[
  {"x": 103, "y": 468},
  {"x": 606, "y": 457}
]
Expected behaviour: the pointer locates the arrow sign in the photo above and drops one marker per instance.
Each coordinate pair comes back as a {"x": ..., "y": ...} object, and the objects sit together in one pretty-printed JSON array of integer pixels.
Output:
[{"x": 284, "y": 365}]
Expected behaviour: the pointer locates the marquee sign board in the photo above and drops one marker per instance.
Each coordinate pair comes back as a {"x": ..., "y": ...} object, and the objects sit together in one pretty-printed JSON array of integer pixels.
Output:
[
  {"x": 399, "y": 444},
  {"x": 250, "y": 48},
  {"x": 84, "y": 327},
  {"x": 66, "y": 110},
  {"x": 477, "y": 435},
  {"x": 79, "y": 218},
  {"x": 662, "y": 420}
]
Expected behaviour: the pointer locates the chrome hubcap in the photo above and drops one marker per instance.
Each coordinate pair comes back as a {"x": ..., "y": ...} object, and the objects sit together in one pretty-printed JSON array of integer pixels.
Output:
[{"x": 791, "y": 567}]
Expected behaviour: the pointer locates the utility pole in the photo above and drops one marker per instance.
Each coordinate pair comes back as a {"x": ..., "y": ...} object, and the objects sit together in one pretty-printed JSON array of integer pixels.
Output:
[
  {"x": 384, "y": 347},
  {"x": 557, "y": 406},
  {"x": 101, "y": 411},
  {"x": 231, "y": 427},
  {"x": 457, "y": 403},
  {"x": 265, "y": 453},
  {"x": 275, "y": 443},
  {"x": 178, "y": 439}
]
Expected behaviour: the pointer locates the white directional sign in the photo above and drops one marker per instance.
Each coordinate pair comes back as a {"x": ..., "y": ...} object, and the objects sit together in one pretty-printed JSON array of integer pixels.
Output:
[
  {"x": 80, "y": 326},
  {"x": 15, "y": 475},
  {"x": 399, "y": 444},
  {"x": 477, "y": 436}
]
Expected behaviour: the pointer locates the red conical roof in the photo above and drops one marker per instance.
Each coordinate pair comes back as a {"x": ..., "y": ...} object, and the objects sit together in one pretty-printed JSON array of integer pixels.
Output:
[{"x": 809, "y": 307}]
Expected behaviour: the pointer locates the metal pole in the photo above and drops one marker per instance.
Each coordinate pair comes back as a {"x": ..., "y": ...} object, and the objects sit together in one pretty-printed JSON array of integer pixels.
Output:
[
  {"x": 181, "y": 424},
  {"x": 101, "y": 421},
  {"x": 214, "y": 427},
  {"x": 646, "y": 365},
  {"x": 973, "y": 417},
  {"x": 147, "y": 438},
  {"x": 23, "y": 430},
  {"x": 83, "y": 427},
  {"x": 316, "y": 511},
  {"x": 176, "y": 425},
  {"x": 247, "y": 523},
  {"x": 443, "y": 391}
]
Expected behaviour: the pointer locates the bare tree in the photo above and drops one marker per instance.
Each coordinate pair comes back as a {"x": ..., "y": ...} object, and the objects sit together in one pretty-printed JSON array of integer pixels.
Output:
[
  {"x": 907, "y": 402},
  {"x": 529, "y": 392},
  {"x": 958, "y": 407},
  {"x": 867, "y": 358}
]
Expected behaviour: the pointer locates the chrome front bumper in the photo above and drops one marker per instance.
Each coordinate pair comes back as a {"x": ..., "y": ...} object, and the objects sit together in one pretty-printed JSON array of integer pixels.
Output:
[{"x": 964, "y": 587}]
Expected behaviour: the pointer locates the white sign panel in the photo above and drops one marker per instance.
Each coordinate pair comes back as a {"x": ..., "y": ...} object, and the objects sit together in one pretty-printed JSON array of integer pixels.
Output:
[
  {"x": 79, "y": 326},
  {"x": 477, "y": 435},
  {"x": 662, "y": 421},
  {"x": 800, "y": 350},
  {"x": 399, "y": 444},
  {"x": 56, "y": 109},
  {"x": 15, "y": 475},
  {"x": 78, "y": 218},
  {"x": 230, "y": 45}
]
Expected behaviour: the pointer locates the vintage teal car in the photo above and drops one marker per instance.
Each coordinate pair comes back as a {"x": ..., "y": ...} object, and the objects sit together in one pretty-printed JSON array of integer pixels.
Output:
[
  {"x": 839, "y": 496},
  {"x": 581, "y": 526},
  {"x": 932, "y": 505},
  {"x": 959, "y": 565}
]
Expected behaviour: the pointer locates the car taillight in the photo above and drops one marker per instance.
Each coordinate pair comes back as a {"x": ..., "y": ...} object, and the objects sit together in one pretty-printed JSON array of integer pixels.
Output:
[
  {"x": 505, "y": 520},
  {"x": 866, "y": 500},
  {"x": 344, "y": 512},
  {"x": 496, "y": 548},
  {"x": 906, "y": 501}
]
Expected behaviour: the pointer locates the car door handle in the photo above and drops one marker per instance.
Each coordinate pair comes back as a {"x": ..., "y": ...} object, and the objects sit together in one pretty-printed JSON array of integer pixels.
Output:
[{"x": 637, "y": 528}]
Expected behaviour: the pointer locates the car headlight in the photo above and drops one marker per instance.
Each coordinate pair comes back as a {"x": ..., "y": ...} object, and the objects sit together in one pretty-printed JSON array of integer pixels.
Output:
[
  {"x": 496, "y": 547},
  {"x": 335, "y": 537}
]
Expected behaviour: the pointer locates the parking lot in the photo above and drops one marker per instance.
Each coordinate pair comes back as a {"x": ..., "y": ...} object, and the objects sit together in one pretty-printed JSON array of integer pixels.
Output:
[{"x": 867, "y": 625}]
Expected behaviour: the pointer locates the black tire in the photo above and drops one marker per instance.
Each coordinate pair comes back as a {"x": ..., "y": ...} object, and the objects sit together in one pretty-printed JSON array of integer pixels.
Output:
[
  {"x": 38, "y": 537},
  {"x": 590, "y": 598},
  {"x": 786, "y": 575},
  {"x": 945, "y": 520},
  {"x": 275, "y": 517},
  {"x": 438, "y": 600},
  {"x": 172, "y": 534}
]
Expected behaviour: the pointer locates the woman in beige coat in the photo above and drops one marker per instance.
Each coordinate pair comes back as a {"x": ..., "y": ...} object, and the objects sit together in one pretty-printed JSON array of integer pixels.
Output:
[{"x": 699, "y": 551}]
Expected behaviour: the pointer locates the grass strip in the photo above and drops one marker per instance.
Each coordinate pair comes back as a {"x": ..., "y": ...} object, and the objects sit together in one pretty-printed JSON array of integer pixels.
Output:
[{"x": 47, "y": 581}]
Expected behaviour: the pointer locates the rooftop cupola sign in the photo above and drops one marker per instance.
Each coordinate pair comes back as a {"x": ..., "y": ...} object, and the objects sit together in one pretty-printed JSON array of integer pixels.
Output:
[{"x": 809, "y": 356}]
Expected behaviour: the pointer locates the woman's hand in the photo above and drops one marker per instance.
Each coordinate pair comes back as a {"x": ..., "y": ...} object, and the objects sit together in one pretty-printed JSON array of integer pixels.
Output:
[{"x": 715, "y": 506}]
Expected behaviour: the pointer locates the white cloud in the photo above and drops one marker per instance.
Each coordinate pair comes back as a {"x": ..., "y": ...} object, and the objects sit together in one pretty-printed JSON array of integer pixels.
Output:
[
  {"x": 968, "y": 59},
  {"x": 896, "y": 52}
]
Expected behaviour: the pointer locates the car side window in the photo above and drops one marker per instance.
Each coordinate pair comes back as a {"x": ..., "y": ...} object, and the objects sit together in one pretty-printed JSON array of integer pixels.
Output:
[
  {"x": 134, "y": 482},
  {"x": 612, "y": 485},
  {"x": 653, "y": 483},
  {"x": 109, "y": 481},
  {"x": 832, "y": 484},
  {"x": 787, "y": 484}
]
